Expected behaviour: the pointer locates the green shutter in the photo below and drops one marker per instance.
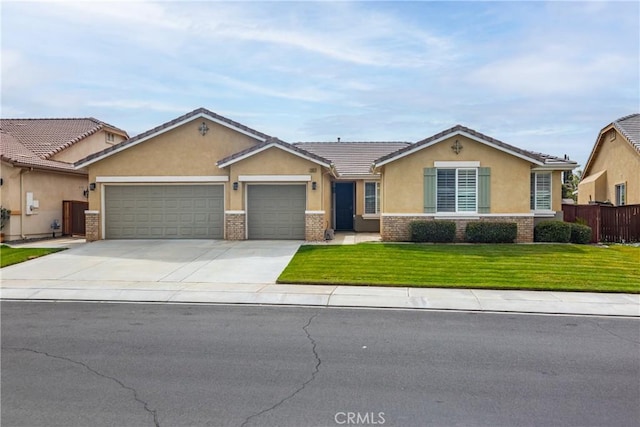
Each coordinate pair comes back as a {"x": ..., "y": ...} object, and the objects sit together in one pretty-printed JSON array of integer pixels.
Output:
[
  {"x": 429, "y": 190},
  {"x": 484, "y": 190}
]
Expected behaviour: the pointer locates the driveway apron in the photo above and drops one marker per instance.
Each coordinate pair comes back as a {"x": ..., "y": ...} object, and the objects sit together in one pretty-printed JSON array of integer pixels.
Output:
[{"x": 194, "y": 261}]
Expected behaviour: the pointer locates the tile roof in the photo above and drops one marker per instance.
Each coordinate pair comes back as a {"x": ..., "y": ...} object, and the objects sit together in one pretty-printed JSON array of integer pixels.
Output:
[
  {"x": 46, "y": 137},
  {"x": 270, "y": 142},
  {"x": 629, "y": 126},
  {"x": 32, "y": 142},
  {"x": 541, "y": 158},
  {"x": 199, "y": 112},
  {"x": 352, "y": 158}
]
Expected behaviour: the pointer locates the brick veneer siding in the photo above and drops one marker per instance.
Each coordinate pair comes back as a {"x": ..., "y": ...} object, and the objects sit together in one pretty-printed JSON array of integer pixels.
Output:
[
  {"x": 92, "y": 226},
  {"x": 396, "y": 228},
  {"x": 235, "y": 226},
  {"x": 314, "y": 227}
]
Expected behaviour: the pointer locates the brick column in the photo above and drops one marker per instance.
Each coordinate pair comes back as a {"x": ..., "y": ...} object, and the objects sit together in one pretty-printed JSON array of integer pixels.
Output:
[
  {"x": 235, "y": 225},
  {"x": 314, "y": 226},
  {"x": 92, "y": 225}
]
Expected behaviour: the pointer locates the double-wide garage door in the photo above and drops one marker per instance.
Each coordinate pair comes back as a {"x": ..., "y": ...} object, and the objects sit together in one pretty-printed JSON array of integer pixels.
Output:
[
  {"x": 276, "y": 211},
  {"x": 164, "y": 211}
]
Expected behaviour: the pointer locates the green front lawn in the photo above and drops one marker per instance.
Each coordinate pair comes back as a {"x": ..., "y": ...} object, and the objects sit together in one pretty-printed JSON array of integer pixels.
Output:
[
  {"x": 9, "y": 256},
  {"x": 557, "y": 267}
]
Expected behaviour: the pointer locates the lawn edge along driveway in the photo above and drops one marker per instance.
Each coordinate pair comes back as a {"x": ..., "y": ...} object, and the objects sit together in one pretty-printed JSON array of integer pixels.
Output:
[
  {"x": 549, "y": 267},
  {"x": 10, "y": 256}
]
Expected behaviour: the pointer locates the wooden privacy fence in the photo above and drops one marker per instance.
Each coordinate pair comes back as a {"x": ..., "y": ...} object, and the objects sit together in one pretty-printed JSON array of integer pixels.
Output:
[{"x": 608, "y": 223}]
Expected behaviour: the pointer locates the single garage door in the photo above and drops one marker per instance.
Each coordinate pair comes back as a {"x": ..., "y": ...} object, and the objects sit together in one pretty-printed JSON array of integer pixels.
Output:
[
  {"x": 276, "y": 211},
  {"x": 164, "y": 211}
]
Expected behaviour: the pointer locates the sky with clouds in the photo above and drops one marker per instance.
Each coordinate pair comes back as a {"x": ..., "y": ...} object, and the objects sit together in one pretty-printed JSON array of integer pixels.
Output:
[{"x": 544, "y": 76}]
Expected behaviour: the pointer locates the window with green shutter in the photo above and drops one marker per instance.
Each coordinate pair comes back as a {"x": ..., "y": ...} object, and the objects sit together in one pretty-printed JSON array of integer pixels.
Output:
[{"x": 457, "y": 190}]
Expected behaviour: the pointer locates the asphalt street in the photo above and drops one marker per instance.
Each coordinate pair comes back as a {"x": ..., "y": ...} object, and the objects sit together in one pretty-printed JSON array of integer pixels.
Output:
[{"x": 104, "y": 364}]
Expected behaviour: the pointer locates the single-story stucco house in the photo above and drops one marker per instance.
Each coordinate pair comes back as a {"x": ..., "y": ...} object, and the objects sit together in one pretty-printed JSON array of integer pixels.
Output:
[
  {"x": 202, "y": 175},
  {"x": 38, "y": 172},
  {"x": 612, "y": 173}
]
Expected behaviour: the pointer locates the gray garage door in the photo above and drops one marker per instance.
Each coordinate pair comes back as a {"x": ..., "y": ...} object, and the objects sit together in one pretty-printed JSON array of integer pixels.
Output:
[
  {"x": 164, "y": 211},
  {"x": 276, "y": 211}
]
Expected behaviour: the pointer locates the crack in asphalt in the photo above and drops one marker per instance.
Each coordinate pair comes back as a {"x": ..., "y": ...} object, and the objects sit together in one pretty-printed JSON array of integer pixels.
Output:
[
  {"x": 613, "y": 333},
  {"x": 316, "y": 369},
  {"x": 100, "y": 374}
]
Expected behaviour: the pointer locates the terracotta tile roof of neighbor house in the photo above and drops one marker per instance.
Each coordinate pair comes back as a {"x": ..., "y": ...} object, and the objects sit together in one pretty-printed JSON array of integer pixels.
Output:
[
  {"x": 352, "y": 158},
  {"x": 629, "y": 126},
  {"x": 32, "y": 142}
]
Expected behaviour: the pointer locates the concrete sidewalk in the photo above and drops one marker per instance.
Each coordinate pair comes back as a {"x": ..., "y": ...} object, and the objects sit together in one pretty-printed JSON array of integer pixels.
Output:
[
  {"x": 244, "y": 273},
  {"x": 329, "y": 296}
]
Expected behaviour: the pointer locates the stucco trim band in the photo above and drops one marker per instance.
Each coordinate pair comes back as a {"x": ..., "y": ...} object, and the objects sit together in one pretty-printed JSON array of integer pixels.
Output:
[
  {"x": 459, "y": 216},
  {"x": 274, "y": 178},
  {"x": 164, "y": 179}
]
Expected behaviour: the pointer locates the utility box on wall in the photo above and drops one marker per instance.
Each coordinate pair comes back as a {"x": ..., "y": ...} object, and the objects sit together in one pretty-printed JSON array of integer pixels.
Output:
[{"x": 31, "y": 205}]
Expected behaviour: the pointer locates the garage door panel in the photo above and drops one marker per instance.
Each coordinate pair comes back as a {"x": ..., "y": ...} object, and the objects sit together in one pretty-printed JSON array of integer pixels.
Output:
[
  {"x": 164, "y": 211},
  {"x": 276, "y": 211}
]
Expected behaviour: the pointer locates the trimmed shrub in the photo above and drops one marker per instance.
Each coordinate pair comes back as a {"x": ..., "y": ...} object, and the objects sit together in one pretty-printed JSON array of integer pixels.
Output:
[
  {"x": 491, "y": 232},
  {"x": 580, "y": 234},
  {"x": 552, "y": 231},
  {"x": 432, "y": 231}
]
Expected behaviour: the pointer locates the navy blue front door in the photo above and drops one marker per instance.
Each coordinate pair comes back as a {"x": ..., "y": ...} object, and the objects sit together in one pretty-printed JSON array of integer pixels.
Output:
[{"x": 344, "y": 205}]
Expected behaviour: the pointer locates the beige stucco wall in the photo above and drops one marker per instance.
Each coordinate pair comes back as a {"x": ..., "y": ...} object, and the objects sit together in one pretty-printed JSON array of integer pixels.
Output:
[
  {"x": 622, "y": 165},
  {"x": 89, "y": 145},
  {"x": 182, "y": 151},
  {"x": 275, "y": 161},
  {"x": 403, "y": 179},
  {"x": 49, "y": 188}
]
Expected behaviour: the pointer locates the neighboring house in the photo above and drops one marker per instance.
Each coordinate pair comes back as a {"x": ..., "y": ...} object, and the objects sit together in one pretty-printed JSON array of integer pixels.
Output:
[
  {"x": 38, "y": 172},
  {"x": 202, "y": 175},
  {"x": 612, "y": 173}
]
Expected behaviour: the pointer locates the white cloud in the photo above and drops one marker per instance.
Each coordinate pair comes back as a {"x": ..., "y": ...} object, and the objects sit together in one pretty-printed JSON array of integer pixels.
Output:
[{"x": 548, "y": 73}]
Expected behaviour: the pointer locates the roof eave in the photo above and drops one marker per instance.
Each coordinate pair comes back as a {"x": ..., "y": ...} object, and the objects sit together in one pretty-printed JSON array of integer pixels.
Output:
[
  {"x": 128, "y": 143},
  {"x": 412, "y": 150},
  {"x": 224, "y": 164}
]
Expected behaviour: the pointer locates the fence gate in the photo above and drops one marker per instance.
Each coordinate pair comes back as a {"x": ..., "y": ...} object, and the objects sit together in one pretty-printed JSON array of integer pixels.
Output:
[
  {"x": 608, "y": 223},
  {"x": 73, "y": 217}
]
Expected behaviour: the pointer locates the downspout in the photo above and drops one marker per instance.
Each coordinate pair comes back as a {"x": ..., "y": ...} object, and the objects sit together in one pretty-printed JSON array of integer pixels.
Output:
[{"x": 22, "y": 203}]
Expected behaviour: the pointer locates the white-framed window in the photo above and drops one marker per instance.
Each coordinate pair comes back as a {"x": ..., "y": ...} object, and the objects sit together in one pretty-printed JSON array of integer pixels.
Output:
[
  {"x": 621, "y": 194},
  {"x": 457, "y": 190},
  {"x": 372, "y": 198},
  {"x": 110, "y": 137},
  {"x": 540, "y": 191}
]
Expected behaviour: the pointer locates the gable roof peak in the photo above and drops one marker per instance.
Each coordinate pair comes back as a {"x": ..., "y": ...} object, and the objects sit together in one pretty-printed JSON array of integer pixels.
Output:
[
  {"x": 185, "y": 118},
  {"x": 629, "y": 126},
  {"x": 533, "y": 157}
]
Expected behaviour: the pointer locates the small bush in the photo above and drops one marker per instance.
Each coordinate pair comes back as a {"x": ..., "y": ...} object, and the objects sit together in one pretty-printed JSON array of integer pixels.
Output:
[
  {"x": 491, "y": 232},
  {"x": 580, "y": 234},
  {"x": 432, "y": 231},
  {"x": 552, "y": 231}
]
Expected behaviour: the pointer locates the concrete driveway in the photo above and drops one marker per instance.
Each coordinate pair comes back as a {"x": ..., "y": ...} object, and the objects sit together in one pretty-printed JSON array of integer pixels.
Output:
[{"x": 194, "y": 261}]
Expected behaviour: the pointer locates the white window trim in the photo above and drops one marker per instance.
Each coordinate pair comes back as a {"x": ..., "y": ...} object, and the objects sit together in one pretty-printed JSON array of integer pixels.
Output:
[
  {"x": 377, "y": 200},
  {"x": 616, "y": 187},
  {"x": 456, "y": 165},
  {"x": 457, "y": 212},
  {"x": 535, "y": 210}
]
